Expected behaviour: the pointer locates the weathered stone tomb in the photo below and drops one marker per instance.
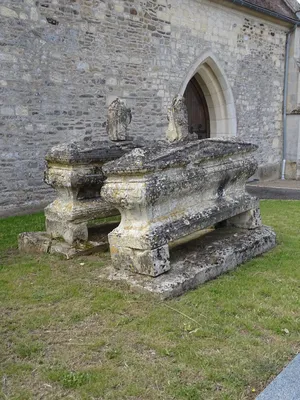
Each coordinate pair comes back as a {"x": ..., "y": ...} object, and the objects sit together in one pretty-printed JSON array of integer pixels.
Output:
[
  {"x": 164, "y": 194},
  {"x": 74, "y": 170},
  {"x": 185, "y": 214},
  {"x": 170, "y": 194}
]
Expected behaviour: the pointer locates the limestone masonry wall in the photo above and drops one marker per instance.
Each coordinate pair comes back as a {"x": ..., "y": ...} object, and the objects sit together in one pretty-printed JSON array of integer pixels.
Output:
[{"x": 64, "y": 62}]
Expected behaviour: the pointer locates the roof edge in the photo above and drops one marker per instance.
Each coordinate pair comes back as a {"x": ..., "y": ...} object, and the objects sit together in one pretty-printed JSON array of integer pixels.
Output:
[
  {"x": 292, "y": 5},
  {"x": 266, "y": 11}
]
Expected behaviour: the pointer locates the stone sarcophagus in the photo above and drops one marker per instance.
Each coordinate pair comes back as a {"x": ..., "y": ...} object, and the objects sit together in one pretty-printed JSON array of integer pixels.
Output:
[
  {"x": 166, "y": 193},
  {"x": 74, "y": 170}
]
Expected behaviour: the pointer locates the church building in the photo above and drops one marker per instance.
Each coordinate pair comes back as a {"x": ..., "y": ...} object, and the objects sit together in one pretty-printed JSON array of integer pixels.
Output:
[{"x": 63, "y": 63}]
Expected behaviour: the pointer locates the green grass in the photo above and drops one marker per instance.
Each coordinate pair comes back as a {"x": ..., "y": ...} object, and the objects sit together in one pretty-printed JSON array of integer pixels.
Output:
[
  {"x": 65, "y": 333},
  {"x": 10, "y": 227}
]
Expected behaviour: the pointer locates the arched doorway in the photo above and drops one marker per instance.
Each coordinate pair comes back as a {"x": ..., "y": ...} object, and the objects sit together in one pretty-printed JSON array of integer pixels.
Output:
[
  {"x": 198, "y": 115},
  {"x": 209, "y": 98}
]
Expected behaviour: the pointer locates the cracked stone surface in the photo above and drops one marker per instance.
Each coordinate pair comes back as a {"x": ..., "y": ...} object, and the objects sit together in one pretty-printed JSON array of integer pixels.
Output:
[
  {"x": 166, "y": 193},
  {"x": 200, "y": 260}
]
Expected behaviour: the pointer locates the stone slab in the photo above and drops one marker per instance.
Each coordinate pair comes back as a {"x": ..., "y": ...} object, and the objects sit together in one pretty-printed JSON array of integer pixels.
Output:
[
  {"x": 41, "y": 242},
  {"x": 201, "y": 259},
  {"x": 158, "y": 156},
  {"x": 287, "y": 384},
  {"x": 82, "y": 152}
]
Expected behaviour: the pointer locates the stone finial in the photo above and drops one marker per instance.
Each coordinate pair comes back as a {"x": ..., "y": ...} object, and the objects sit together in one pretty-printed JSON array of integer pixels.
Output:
[
  {"x": 119, "y": 117},
  {"x": 178, "y": 120}
]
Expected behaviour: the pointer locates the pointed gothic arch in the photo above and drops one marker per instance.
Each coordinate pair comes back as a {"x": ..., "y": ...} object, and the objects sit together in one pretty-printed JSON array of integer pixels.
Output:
[{"x": 217, "y": 92}]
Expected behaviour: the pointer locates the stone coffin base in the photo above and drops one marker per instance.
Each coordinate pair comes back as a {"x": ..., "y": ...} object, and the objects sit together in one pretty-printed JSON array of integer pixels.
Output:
[
  {"x": 202, "y": 259},
  {"x": 41, "y": 242}
]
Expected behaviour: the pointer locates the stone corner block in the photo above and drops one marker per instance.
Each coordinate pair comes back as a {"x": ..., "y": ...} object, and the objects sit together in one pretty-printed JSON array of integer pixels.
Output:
[{"x": 153, "y": 262}]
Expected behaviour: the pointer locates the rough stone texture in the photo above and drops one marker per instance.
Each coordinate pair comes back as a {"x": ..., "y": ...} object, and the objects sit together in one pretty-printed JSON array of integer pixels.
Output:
[
  {"x": 75, "y": 171},
  {"x": 34, "y": 242},
  {"x": 42, "y": 242},
  {"x": 82, "y": 152},
  {"x": 119, "y": 117},
  {"x": 168, "y": 192},
  {"x": 178, "y": 128},
  {"x": 282, "y": 7},
  {"x": 63, "y": 63},
  {"x": 200, "y": 260}
]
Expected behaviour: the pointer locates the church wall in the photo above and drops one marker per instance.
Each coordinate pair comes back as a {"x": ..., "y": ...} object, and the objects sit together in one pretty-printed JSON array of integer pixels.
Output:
[
  {"x": 63, "y": 62},
  {"x": 293, "y": 109}
]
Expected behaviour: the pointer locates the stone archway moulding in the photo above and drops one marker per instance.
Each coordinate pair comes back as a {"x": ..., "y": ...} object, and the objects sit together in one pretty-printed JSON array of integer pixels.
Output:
[{"x": 217, "y": 92}]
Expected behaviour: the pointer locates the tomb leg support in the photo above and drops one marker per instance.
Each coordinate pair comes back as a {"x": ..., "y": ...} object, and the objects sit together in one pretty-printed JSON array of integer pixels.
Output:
[
  {"x": 247, "y": 220},
  {"x": 71, "y": 232},
  {"x": 152, "y": 262},
  {"x": 78, "y": 198}
]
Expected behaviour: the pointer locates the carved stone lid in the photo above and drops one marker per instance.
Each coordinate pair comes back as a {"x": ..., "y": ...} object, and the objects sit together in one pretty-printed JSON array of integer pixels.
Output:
[
  {"x": 90, "y": 152},
  {"x": 161, "y": 156}
]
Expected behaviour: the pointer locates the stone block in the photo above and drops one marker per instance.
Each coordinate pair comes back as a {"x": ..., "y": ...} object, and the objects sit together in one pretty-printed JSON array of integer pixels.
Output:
[
  {"x": 62, "y": 228},
  {"x": 74, "y": 170},
  {"x": 152, "y": 262},
  {"x": 41, "y": 242},
  {"x": 34, "y": 242}
]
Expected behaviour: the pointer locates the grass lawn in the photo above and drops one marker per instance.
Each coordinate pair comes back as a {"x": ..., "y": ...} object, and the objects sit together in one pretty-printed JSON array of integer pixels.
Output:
[{"x": 66, "y": 334}]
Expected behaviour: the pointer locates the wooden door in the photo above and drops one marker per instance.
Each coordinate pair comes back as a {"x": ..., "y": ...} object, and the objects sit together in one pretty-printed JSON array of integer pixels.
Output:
[{"x": 198, "y": 115}]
